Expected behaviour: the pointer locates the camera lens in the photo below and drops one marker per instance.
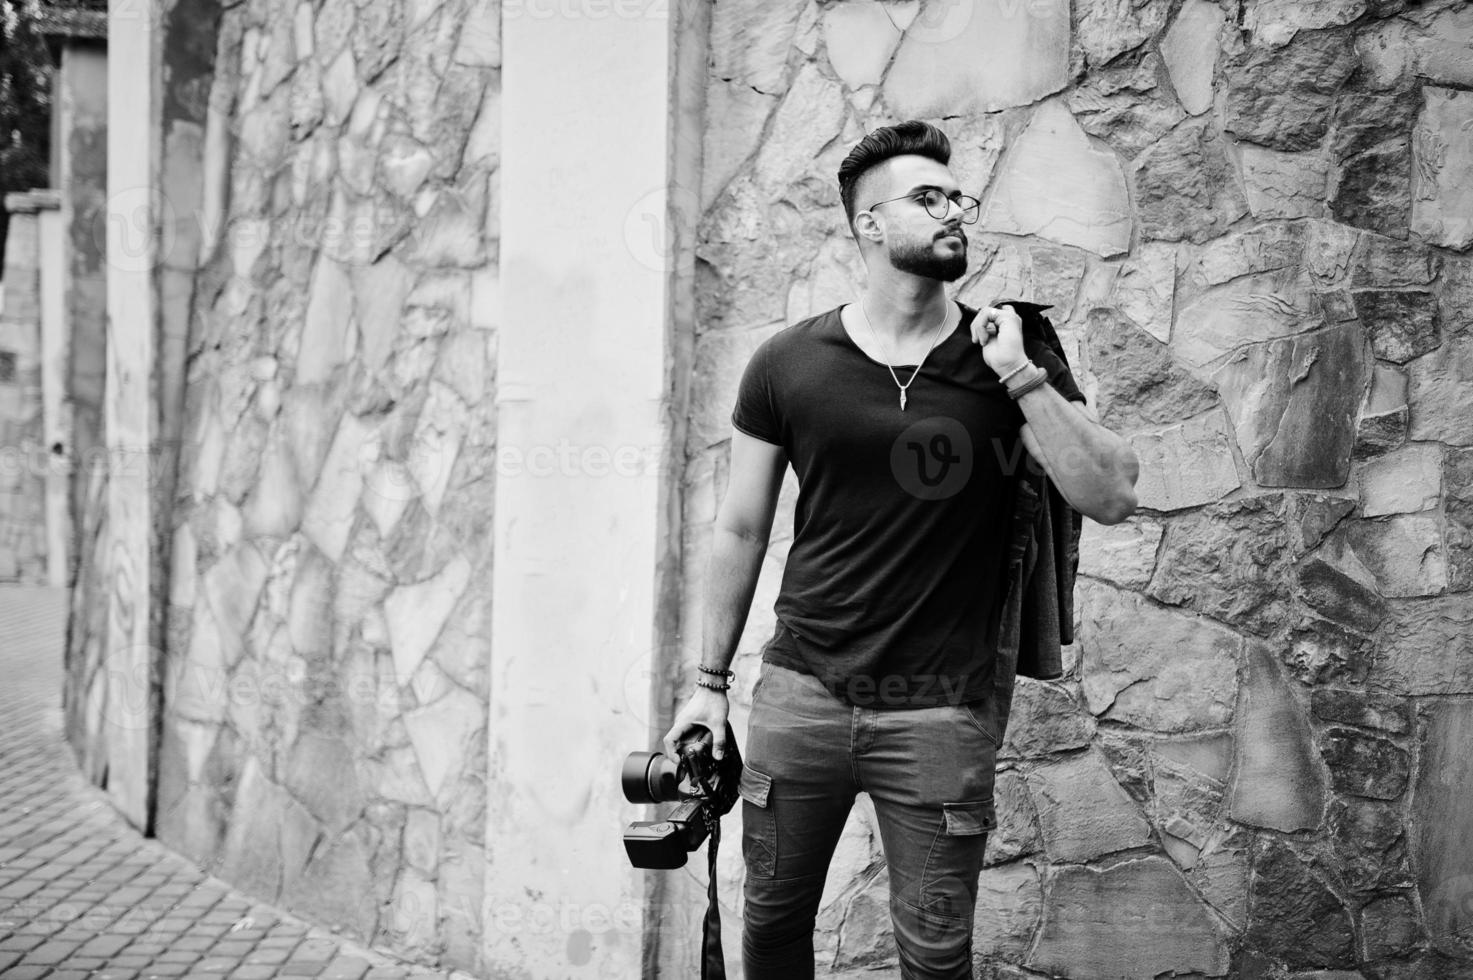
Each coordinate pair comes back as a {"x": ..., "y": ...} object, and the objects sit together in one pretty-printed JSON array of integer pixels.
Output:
[{"x": 648, "y": 777}]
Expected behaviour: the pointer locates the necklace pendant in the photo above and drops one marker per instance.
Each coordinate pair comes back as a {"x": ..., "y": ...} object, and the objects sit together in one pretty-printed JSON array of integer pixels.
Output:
[{"x": 902, "y": 400}]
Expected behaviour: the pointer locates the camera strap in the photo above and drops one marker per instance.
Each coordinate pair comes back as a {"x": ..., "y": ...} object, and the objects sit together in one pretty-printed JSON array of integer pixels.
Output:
[{"x": 713, "y": 963}]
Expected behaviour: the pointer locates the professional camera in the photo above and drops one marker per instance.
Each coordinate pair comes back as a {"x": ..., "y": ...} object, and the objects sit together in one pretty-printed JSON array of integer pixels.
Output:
[{"x": 705, "y": 787}]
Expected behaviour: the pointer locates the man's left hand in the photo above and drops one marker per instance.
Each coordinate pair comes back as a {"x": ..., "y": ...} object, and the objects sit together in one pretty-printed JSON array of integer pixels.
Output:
[{"x": 999, "y": 330}]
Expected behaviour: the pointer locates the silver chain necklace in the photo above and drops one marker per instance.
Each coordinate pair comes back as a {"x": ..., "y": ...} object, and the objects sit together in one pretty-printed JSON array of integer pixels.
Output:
[{"x": 945, "y": 316}]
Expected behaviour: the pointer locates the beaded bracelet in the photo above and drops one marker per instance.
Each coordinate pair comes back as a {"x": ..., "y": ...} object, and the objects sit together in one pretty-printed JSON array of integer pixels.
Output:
[
  {"x": 1021, "y": 367},
  {"x": 701, "y": 682},
  {"x": 730, "y": 675}
]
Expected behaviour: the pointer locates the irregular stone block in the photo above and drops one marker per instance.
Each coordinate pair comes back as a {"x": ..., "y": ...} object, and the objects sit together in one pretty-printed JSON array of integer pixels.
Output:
[
  {"x": 417, "y": 612},
  {"x": 1402, "y": 482},
  {"x": 809, "y": 117},
  {"x": 441, "y": 733},
  {"x": 233, "y": 587},
  {"x": 1009, "y": 903},
  {"x": 1365, "y": 765},
  {"x": 867, "y": 938},
  {"x": 1109, "y": 29},
  {"x": 1374, "y": 190},
  {"x": 1279, "y": 782},
  {"x": 1082, "y": 810},
  {"x": 328, "y": 518},
  {"x": 1340, "y": 596},
  {"x": 1442, "y": 151},
  {"x": 1184, "y": 185},
  {"x": 1389, "y": 925},
  {"x": 1088, "y": 911},
  {"x": 1442, "y": 394},
  {"x": 336, "y": 887},
  {"x": 1295, "y": 917},
  {"x": 1404, "y": 553},
  {"x": 1221, "y": 875},
  {"x": 1233, "y": 560},
  {"x": 1426, "y": 647},
  {"x": 1275, "y": 22},
  {"x": 1385, "y": 415},
  {"x": 1124, "y": 553},
  {"x": 1125, "y": 105},
  {"x": 1139, "y": 382},
  {"x": 1017, "y": 831},
  {"x": 1252, "y": 308},
  {"x": 1442, "y": 49},
  {"x": 1281, "y": 98},
  {"x": 995, "y": 59},
  {"x": 859, "y": 38},
  {"x": 1369, "y": 842},
  {"x": 1294, "y": 404},
  {"x": 1384, "y": 263},
  {"x": 1322, "y": 652},
  {"x": 1155, "y": 668},
  {"x": 1145, "y": 288},
  {"x": 1444, "y": 795},
  {"x": 1284, "y": 185},
  {"x": 1367, "y": 710},
  {"x": 736, "y": 115},
  {"x": 1402, "y": 323},
  {"x": 751, "y": 41},
  {"x": 1454, "y": 289},
  {"x": 1185, "y": 465},
  {"x": 1457, "y": 511},
  {"x": 1045, "y": 718},
  {"x": 1057, "y": 185},
  {"x": 321, "y": 775},
  {"x": 1190, "y": 51}
]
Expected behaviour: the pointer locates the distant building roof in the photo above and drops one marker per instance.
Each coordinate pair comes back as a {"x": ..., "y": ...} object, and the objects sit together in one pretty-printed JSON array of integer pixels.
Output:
[{"x": 72, "y": 18}]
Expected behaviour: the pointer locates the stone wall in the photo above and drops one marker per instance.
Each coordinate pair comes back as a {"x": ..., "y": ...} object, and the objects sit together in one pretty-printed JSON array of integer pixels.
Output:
[
  {"x": 1252, "y": 221},
  {"x": 325, "y": 681}
]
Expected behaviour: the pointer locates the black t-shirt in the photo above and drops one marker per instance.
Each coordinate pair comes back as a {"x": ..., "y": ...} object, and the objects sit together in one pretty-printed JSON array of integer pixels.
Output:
[{"x": 895, "y": 575}]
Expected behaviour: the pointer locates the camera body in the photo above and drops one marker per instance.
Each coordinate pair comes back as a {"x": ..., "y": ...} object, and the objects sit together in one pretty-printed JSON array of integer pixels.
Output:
[{"x": 705, "y": 788}]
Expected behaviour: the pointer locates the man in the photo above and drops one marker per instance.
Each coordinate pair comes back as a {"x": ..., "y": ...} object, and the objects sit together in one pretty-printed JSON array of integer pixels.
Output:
[{"x": 905, "y": 438}]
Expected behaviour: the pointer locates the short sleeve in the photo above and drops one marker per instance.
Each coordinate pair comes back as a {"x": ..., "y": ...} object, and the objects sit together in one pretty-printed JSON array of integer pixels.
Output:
[
  {"x": 756, "y": 408},
  {"x": 1059, "y": 374}
]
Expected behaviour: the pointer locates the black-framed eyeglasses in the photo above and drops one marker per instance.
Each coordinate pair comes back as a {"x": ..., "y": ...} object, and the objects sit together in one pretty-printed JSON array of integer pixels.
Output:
[{"x": 938, "y": 204}]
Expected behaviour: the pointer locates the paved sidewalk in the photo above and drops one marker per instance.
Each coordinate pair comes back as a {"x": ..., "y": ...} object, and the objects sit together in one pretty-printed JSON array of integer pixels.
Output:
[{"x": 84, "y": 895}]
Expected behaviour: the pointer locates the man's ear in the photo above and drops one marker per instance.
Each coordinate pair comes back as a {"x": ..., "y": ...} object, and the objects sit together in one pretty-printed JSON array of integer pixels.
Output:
[{"x": 866, "y": 227}]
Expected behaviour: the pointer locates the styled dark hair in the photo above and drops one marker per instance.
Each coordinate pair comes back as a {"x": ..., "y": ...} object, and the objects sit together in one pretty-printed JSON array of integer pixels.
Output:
[{"x": 910, "y": 137}]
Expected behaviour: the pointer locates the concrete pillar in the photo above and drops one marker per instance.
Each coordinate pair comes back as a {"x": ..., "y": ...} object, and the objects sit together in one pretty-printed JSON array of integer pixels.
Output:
[
  {"x": 583, "y": 500},
  {"x": 132, "y": 235},
  {"x": 55, "y": 413}
]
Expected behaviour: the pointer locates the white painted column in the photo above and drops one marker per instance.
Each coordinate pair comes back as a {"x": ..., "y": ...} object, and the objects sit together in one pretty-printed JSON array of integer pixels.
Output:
[
  {"x": 132, "y": 222},
  {"x": 582, "y": 367},
  {"x": 55, "y": 411}
]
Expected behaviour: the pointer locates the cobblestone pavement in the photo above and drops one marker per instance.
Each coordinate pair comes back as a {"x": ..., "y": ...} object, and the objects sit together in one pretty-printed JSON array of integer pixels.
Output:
[{"x": 84, "y": 895}]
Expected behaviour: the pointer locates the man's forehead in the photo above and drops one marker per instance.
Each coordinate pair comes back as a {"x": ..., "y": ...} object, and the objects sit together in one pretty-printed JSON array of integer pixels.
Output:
[{"x": 900, "y": 174}]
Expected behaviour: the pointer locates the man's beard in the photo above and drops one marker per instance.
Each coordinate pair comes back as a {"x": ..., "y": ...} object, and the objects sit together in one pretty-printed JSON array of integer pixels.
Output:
[{"x": 922, "y": 260}]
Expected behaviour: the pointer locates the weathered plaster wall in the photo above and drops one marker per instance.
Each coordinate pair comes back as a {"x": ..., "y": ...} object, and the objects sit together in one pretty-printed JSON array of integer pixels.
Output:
[
  {"x": 325, "y": 684},
  {"x": 1251, "y": 218},
  {"x": 22, "y": 454}
]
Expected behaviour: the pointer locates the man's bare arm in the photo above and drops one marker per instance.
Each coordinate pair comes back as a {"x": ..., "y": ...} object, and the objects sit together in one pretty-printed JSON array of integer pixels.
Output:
[
  {"x": 1093, "y": 467},
  {"x": 738, "y": 545}
]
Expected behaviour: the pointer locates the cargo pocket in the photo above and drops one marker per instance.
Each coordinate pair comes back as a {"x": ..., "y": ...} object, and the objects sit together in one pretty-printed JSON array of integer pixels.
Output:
[
  {"x": 759, "y": 824},
  {"x": 968, "y": 819}
]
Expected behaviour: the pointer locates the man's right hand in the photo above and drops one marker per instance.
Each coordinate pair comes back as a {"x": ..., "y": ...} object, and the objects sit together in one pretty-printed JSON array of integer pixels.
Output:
[{"x": 707, "y": 708}]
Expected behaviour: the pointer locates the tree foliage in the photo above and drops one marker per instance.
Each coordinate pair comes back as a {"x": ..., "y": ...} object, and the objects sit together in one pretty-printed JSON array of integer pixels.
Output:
[{"x": 25, "y": 103}]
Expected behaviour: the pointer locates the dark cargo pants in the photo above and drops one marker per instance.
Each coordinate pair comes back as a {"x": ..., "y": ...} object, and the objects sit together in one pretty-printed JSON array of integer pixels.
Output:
[{"x": 929, "y": 772}]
